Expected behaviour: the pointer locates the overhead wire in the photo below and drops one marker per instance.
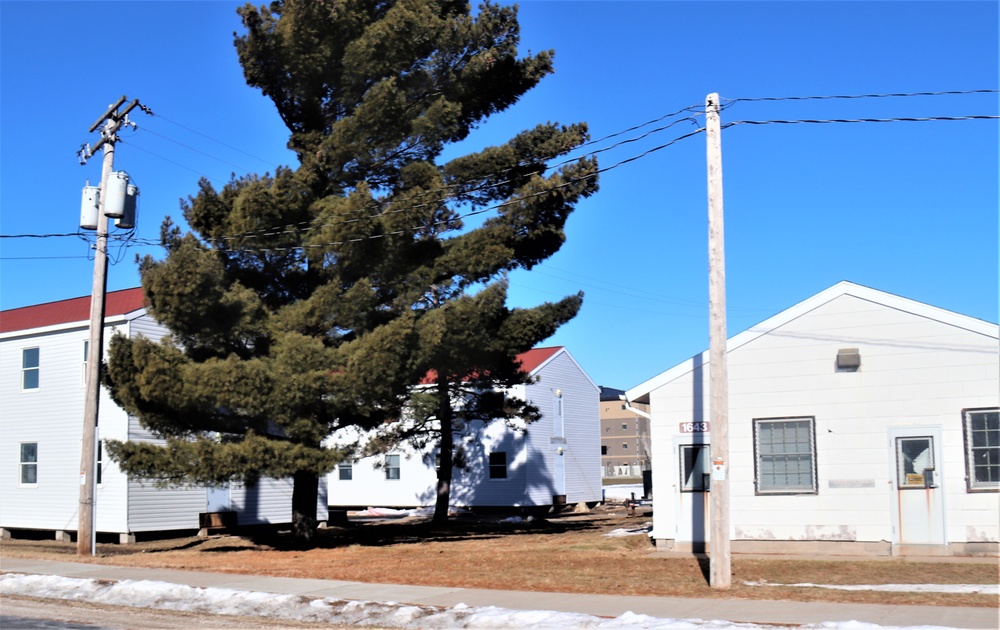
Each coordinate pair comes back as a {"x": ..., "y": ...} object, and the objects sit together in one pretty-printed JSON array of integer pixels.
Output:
[
  {"x": 306, "y": 225},
  {"x": 855, "y": 96},
  {"x": 857, "y": 120}
]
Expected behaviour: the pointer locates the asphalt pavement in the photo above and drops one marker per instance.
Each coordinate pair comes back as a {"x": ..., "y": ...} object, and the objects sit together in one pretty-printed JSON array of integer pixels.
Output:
[{"x": 736, "y": 610}]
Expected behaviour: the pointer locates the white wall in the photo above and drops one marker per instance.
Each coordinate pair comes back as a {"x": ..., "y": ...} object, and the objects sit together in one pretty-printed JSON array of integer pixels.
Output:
[
  {"x": 915, "y": 371},
  {"x": 531, "y": 454}
]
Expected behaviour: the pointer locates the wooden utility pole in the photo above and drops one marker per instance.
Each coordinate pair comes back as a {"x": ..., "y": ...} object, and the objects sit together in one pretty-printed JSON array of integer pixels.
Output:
[
  {"x": 720, "y": 569},
  {"x": 86, "y": 529}
]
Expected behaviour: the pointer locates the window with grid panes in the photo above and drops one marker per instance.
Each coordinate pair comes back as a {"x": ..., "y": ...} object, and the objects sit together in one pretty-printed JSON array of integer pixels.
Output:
[
  {"x": 982, "y": 448},
  {"x": 785, "y": 454}
]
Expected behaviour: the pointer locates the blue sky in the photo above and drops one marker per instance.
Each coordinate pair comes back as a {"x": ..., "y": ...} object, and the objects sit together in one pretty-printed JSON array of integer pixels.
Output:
[{"x": 907, "y": 208}]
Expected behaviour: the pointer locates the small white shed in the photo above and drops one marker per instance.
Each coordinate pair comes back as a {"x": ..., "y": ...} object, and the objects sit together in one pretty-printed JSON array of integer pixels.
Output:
[
  {"x": 557, "y": 459},
  {"x": 42, "y": 392},
  {"x": 860, "y": 422}
]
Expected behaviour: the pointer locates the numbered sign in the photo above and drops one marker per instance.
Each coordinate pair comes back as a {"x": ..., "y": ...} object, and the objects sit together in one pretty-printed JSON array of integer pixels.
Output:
[{"x": 694, "y": 427}]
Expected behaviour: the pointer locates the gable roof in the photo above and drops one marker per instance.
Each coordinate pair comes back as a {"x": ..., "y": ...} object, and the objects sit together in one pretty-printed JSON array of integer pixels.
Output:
[
  {"x": 840, "y": 289},
  {"x": 68, "y": 311},
  {"x": 530, "y": 361}
]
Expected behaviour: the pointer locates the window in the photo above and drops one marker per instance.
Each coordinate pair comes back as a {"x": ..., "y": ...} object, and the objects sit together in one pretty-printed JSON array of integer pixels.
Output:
[
  {"x": 624, "y": 446},
  {"x": 982, "y": 448},
  {"x": 624, "y": 425},
  {"x": 694, "y": 467},
  {"x": 29, "y": 368},
  {"x": 623, "y": 406},
  {"x": 915, "y": 462},
  {"x": 99, "y": 473},
  {"x": 785, "y": 454},
  {"x": 392, "y": 466},
  {"x": 498, "y": 465},
  {"x": 604, "y": 450},
  {"x": 29, "y": 463},
  {"x": 345, "y": 471},
  {"x": 86, "y": 350}
]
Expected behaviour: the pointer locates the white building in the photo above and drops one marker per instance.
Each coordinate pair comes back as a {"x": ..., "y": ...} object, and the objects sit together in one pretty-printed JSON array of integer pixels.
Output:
[
  {"x": 859, "y": 422},
  {"x": 42, "y": 392},
  {"x": 555, "y": 460}
]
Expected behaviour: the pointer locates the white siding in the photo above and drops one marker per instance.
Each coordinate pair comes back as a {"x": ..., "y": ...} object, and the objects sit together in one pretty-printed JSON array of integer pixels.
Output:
[
  {"x": 269, "y": 502},
  {"x": 52, "y": 417},
  {"x": 530, "y": 455},
  {"x": 580, "y": 439},
  {"x": 151, "y": 508},
  {"x": 915, "y": 371}
]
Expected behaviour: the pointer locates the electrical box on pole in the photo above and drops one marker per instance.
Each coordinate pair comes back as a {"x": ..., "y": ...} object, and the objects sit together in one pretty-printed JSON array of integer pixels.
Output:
[{"x": 89, "y": 207}]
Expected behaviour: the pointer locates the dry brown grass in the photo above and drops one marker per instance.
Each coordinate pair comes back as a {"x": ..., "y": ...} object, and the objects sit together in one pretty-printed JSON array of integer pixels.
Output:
[{"x": 563, "y": 553}]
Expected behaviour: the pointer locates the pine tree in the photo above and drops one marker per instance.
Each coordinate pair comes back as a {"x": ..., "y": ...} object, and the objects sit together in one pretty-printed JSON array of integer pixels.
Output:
[{"x": 317, "y": 297}]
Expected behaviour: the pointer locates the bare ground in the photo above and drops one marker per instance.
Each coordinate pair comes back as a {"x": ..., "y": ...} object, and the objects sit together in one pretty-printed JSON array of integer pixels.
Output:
[{"x": 568, "y": 552}]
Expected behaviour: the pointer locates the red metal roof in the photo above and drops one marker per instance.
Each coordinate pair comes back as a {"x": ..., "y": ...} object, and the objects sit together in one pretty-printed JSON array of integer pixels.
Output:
[
  {"x": 529, "y": 360},
  {"x": 72, "y": 310}
]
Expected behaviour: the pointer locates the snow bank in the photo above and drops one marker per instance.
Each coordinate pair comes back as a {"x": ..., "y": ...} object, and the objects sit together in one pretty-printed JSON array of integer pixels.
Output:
[{"x": 164, "y": 596}]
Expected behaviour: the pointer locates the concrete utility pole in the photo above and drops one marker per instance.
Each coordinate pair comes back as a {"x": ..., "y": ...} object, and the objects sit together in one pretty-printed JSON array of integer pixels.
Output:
[
  {"x": 720, "y": 568},
  {"x": 112, "y": 121}
]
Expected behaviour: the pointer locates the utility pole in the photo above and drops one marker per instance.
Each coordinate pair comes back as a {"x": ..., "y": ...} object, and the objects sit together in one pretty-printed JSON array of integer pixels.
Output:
[
  {"x": 720, "y": 568},
  {"x": 112, "y": 121}
]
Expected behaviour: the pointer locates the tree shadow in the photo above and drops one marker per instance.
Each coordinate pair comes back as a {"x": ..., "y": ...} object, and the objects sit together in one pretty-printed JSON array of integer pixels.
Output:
[{"x": 416, "y": 530}]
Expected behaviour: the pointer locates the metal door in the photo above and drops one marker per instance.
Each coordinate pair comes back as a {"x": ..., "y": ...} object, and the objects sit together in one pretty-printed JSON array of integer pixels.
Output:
[
  {"x": 693, "y": 466},
  {"x": 919, "y": 514}
]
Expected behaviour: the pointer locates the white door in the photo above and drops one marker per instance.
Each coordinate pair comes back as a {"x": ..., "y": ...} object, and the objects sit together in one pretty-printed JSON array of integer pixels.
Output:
[
  {"x": 919, "y": 513},
  {"x": 693, "y": 453}
]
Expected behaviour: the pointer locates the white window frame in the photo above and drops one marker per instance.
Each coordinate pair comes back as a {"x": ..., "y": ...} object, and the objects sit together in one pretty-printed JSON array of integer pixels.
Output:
[
  {"x": 37, "y": 369},
  {"x": 989, "y": 450},
  {"x": 99, "y": 472},
  {"x": 86, "y": 356},
  {"x": 345, "y": 471},
  {"x": 497, "y": 467},
  {"x": 765, "y": 458},
  {"x": 24, "y": 464},
  {"x": 392, "y": 464}
]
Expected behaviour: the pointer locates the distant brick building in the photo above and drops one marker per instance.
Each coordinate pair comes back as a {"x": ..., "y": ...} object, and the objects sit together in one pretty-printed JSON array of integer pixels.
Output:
[{"x": 625, "y": 443}]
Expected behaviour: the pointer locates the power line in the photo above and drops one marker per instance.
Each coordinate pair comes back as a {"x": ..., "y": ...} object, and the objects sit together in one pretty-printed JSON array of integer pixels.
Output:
[
  {"x": 444, "y": 222},
  {"x": 228, "y": 146},
  {"x": 41, "y": 257},
  {"x": 857, "y": 120},
  {"x": 198, "y": 151},
  {"x": 80, "y": 234},
  {"x": 855, "y": 96},
  {"x": 305, "y": 225}
]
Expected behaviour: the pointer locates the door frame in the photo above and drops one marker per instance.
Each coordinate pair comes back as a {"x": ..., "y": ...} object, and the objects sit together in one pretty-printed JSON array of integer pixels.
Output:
[{"x": 934, "y": 432}]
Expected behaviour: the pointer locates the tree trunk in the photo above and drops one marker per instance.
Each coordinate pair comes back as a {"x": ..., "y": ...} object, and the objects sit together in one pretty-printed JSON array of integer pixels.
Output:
[
  {"x": 447, "y": 445},
  {"x": 305, "y": 493}
]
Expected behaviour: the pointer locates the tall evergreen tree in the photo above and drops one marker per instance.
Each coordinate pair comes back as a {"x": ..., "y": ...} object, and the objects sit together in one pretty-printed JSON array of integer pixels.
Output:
[{"x": 317, "y": 297}]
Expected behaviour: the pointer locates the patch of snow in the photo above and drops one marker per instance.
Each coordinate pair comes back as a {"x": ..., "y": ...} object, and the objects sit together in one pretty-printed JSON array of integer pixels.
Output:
[
  {"x": 621, "y": 492},
  {"x": 631, "y": 531},
  {"x": 986, "y": 589},
  {"x": 161, "y": 595}
]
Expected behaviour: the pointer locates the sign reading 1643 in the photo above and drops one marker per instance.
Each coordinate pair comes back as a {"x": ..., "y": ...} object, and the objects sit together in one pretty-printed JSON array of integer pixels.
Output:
[{"x": 694, "y": 427}]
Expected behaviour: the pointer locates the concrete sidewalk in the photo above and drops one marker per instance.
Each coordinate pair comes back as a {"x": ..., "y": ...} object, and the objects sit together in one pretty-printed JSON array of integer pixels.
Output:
[{"x": 766, "y": 612}]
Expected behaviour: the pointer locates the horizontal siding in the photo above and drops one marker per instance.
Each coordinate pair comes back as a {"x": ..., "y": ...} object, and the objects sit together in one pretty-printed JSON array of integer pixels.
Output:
[
  {"x": 52, "y": 417},
  {"x": 163, "y": 509},
  {"x": 581, "y": 450},
  {"x": 914, "y": 371},
  {"x": 530, "y": 455},
  {"x": 269, "y": 502}
]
